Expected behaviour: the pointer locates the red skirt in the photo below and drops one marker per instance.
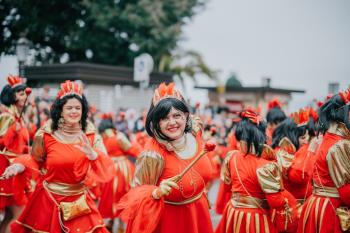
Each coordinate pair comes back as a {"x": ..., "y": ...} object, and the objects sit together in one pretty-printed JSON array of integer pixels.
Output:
[
  {"x": 319, "y": 216},
  {"x": 42, "y": 215},
  {"x": 112, "y": 191},
  {"x": 245, "y": 220},
  {"x": 188, "y": 218}
]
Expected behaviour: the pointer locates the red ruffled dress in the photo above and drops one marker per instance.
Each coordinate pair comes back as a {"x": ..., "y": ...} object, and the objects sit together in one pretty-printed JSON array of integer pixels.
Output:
[
  {"x": 184, "y": 210},
  {"x": 13, "y": 144},
  {"x": 65, "y": 167}
]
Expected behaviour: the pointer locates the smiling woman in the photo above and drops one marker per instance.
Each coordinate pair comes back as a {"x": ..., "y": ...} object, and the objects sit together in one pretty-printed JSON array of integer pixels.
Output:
[
  {"x": 167, "y": 204},
  {"x": 70, "y": 155}
]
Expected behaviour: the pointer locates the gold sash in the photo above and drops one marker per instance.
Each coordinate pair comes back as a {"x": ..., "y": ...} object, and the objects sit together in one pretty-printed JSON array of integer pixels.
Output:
[
  {"x": 239, "y": 201},
  {"x": 72, "y": 209}
]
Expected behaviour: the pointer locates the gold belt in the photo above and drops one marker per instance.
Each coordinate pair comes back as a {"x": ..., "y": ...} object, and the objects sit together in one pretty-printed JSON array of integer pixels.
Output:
[
  {"x": 325, "y": 191},
  {"x": 64, "y": 189},
  {"x": 187, "y": 201},
  {"x": 239, "y": 201}
]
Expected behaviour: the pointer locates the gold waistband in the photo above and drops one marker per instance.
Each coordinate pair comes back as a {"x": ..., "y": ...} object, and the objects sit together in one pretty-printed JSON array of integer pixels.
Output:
[
  {"x": 239, "y": 201},
  {"x": 325, "y": 191},
  {"x": 64, "y": 189},
  {"x": 187, "y": 201}
]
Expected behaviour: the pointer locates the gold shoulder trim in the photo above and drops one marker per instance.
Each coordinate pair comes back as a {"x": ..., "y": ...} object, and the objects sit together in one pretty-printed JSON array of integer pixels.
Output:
[
  {"x": 38, "y": 150},
  {"x": 338, "y": 161},
  {"x": 268, "y": 153},
  {"x": 285, "y": 160},
  {"x": 287, "y": 145},
  {"x": 269, "y": 177},
  {"x": 225, "y": 173},
  {"x": 123, "y": 141},
  {"x": 6, "y": 120},
  {"x": 339, "y": 129},
  {"x": 149, "y": 167}
]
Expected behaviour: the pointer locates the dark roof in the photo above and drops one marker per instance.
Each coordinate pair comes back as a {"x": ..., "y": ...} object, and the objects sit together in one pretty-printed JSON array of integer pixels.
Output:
[
  {"x": 254, "y": 89},
  {"x": 88, "y": 73}
]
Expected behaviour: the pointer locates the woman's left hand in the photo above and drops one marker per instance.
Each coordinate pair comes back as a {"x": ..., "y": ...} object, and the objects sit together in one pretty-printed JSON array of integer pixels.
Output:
[{"x": 86, "y": 148}]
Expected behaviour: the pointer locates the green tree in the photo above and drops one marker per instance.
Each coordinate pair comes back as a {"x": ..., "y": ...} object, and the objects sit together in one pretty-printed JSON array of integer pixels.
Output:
[
  {"x": 186, "y": 64},
  {"x": 104, "y": 31}
]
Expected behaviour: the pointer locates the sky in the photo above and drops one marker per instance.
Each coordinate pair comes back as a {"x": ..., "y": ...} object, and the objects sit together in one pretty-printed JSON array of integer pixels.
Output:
[{"x": 300, "y": 44}]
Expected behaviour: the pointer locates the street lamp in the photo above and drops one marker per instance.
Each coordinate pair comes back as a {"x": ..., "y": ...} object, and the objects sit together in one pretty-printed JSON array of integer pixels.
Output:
[{"x": 22, "y": 50}]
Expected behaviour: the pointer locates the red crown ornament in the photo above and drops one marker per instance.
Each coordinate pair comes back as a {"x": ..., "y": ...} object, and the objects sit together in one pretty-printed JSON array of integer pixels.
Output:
[
  {"x": 345, "y": 96},
  {"x": 301, "y": 117},
  {"x": 251, "y": 115},
  {"x": 70, "y": 88},
  {"x": 165, "y": 91},
  {"x": 14, "y": 81},
  {"x": 275, "y": 103},
  {"x": 107, "y": 116}
]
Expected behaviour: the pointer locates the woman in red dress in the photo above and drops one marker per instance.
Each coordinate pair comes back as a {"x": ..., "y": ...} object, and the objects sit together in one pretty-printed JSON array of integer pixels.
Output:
[
  {"x": 69, "y": 152},
  {"x": 118, "y": 148},
  {"x": 255, "y": 183},
  {"x": 275, "y": 115},
  {"x": 331, "y": 174},
  {"x": 158, "y": 204},
  {"x": 14, "y": 140}
]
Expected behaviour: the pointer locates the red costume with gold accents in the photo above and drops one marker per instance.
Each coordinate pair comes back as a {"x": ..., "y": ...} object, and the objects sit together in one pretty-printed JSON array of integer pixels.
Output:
[
  {"x": 331, "y": 180},
  {"x": 13, "y": 144},
  {"x": 118, "y": 148},
  {"x": 66, "y": 168}
]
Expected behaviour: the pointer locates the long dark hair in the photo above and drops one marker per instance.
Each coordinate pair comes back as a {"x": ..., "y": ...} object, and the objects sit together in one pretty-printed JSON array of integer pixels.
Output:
[
  {"x": 159, "y": 112},
  {"x": 288, "y": 129},
  {"x": 57, "y": 106},
  {"x": 334, "y": 110},
  {"x": 8, "y": 97},
  {"x": 251, "y": 133}
]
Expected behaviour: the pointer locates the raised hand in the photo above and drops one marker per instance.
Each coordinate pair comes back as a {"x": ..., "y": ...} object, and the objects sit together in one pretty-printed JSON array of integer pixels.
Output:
[
  {"x": 164, "y": 188},
  {"x": 12, "y": 170},
  {"x": 86, "y": 148}
]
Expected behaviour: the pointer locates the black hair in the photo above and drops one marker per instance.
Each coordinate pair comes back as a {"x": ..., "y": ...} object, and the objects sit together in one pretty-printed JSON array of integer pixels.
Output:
[
  {"x": 57, "y": 106},
  {"x": 105, "y": 124},
  {"x": 159, "y": 112},
  {"x": 288, "y": 129},
  {"x": 8, "y": 97},
  {"x": 311, "y": 127},
  {"x": 334, "y": 110},
  {"x": 275, "y": 115},
  {"x": 253, "y": 134}
]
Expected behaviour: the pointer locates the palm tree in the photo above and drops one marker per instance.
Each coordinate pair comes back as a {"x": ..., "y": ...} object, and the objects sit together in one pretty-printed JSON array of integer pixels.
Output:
[{"x": 185, "y": 64}]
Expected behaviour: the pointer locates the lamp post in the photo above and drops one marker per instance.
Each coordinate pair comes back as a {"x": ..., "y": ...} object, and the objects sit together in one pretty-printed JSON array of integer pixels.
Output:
[{"x": 22, "y": 50}]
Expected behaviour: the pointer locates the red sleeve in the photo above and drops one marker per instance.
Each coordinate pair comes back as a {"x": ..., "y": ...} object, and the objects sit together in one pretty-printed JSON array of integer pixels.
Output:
[
  {"x": 140, "y": 210},
  {"x": 344, "y": 193},
  {"x": 16, "y": 141},
  {"x": 285, "y": 211},
  {"x": 134, "y": 150},
  {"x": 102, "y": 169}
]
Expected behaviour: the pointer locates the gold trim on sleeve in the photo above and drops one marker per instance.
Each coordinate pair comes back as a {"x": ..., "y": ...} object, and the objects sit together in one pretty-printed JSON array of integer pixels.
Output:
[
  {"x": 149, "y": 167},
  {"x": 338, "y": 161},
  {"x": 269, "y": 177}
]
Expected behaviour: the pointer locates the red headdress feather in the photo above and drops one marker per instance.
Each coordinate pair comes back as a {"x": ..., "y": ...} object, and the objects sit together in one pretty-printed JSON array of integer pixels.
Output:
[
  {"x": 165, "y": 91},
  {"x": 14, "y": 81},
  {"x": 106, "y": 116},
  {"x": 251, "y": 115},
  {"x": 301, "y": 117},
  {"x": 275, "y": 103},
  {"x": 345, "y": 96},
  {"x": 70, "y": 88}
]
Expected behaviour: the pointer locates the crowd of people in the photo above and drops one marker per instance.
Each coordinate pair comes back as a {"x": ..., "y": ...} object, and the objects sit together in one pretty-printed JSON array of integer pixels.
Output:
[{"x": 66, "y": 167}]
